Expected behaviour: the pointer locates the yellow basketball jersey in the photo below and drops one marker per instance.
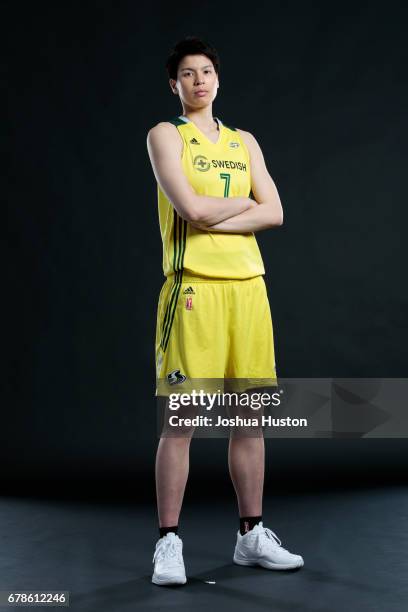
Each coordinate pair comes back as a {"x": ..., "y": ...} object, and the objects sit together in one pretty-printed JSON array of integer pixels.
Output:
[{"x": 221, "y": 169}]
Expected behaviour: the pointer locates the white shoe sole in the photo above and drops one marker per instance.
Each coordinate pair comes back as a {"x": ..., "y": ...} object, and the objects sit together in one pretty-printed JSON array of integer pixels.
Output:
[
  {"x": 268, "y": 564},
  {"x": 169, "y": 581}
]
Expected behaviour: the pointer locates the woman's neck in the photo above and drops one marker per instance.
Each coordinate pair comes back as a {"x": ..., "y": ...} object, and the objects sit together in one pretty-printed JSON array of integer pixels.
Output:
[{"x": 203, "y": 118}]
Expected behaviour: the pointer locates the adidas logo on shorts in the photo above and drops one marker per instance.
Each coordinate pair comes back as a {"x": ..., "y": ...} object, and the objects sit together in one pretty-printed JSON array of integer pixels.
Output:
[{"x": 189, "y": 290}]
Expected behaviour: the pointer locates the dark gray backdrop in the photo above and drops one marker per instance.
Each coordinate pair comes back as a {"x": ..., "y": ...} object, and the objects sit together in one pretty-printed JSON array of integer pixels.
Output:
[{"x": 323, "y": 88}]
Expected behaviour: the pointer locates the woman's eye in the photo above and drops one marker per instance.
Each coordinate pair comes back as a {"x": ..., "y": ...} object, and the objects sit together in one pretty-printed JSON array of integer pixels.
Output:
[{"x": 188, "y": 73}]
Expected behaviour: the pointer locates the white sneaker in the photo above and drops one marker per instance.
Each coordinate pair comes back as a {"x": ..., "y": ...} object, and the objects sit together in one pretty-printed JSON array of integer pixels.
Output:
[
  {"x": 260, "y": 546},
  {"x": 168, "y": 561}
]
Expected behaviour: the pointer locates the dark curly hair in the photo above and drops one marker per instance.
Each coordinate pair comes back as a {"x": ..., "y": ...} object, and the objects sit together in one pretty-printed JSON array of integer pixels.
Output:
[{"x": 191, "y": 45}]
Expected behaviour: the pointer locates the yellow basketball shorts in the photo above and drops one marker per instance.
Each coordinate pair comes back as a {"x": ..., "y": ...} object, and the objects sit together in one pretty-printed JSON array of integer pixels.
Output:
[{"x": 210, "y": 331}]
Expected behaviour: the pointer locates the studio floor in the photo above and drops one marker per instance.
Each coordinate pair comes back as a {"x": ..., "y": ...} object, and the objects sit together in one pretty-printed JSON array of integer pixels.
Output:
[{"x": 354, "y": 544}]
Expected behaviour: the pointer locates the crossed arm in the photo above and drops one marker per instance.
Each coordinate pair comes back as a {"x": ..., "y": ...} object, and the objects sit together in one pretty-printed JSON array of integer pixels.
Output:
[
  {"x": 207, "y": 213},
  {"x": 266, "y": 210}
]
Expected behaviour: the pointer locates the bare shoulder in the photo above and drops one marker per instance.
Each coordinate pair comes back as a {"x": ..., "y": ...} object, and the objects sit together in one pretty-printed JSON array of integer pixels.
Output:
[
  {"x": 164, "y": 132},
  {"x": 163, "y": 127}
]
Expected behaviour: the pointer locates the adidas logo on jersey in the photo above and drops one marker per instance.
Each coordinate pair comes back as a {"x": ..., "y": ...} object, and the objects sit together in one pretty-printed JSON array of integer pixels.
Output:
[
  {"x": 194, "y": 141},
  {"x": 189, "y": 290}
]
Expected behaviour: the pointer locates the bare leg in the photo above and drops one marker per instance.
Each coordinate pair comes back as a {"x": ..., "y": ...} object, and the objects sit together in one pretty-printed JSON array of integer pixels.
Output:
[
  {"x": 172, "y": 465},
  {"x": 246, "y": 460}
]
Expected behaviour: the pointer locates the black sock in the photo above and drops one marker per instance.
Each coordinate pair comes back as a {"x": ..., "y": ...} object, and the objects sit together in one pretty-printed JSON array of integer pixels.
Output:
[
  {"x": 246, "y": 523},
  {"x": 164, "y": 530}
]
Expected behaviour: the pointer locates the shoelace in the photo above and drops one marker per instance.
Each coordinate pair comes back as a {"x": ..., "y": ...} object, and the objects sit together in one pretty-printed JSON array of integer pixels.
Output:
[
  {"x": 168, "y": 548},
  {"x": 271, "y": 535}
]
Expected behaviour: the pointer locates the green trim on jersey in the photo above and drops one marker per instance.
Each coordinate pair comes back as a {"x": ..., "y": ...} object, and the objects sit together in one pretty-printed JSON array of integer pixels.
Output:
[
  {"x": 176, "y": 121},
  {"x": 230, "y": 127},
  {"x": 180, "y": 234}
]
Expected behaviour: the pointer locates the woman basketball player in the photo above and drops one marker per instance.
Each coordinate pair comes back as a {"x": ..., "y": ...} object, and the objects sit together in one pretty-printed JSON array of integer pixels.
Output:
[{"x": 213, "y": 319}]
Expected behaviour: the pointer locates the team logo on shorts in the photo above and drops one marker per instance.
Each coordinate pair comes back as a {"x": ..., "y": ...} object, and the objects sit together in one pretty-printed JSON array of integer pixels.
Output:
[
  {"x": 201, "y": 163},
  {"x": 175, "y": 377},
  {"x": 189, "y": 303}
]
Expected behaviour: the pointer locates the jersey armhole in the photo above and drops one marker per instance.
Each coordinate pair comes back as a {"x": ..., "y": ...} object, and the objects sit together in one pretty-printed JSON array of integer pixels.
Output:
[{"x": 176, "y": 121}]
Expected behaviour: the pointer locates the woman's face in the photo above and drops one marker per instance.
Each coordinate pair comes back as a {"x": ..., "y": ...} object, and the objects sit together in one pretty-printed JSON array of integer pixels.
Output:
[{"x": 197, "y": 81}]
